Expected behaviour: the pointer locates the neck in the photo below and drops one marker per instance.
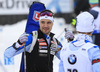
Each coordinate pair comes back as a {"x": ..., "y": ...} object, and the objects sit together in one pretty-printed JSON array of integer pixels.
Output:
[
  {"x": 46, "y": 35},
  {"x": 84, "y": 37}
]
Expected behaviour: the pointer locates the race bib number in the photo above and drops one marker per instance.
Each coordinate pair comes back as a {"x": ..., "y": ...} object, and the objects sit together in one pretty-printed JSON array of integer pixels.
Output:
[{"x": 72, "y": 70}]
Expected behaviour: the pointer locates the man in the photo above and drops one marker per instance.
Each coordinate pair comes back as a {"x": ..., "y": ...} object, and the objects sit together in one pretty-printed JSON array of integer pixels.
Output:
[
  {"x": 95, "y": 11},
  {"x": 41, "y": 46},
  {"x": 81, "y": 55},
  {"x": 81, "y": 6}
]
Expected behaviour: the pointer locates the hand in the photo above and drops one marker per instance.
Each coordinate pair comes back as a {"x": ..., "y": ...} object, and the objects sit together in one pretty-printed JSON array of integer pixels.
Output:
[
  {"x": 69, "y": 35},
  {"x": 23, "y": 38}
]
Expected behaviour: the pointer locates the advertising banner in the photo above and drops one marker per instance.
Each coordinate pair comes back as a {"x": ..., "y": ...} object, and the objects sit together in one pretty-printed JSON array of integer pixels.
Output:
[
  {"x": 8, "y": 7},
  {"x": 13, "y": 7},
  {"x": 59, "y": 6}
]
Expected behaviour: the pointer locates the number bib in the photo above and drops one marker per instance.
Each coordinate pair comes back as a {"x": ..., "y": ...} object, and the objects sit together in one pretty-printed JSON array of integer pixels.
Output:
[{"x": 76, "y": 61}]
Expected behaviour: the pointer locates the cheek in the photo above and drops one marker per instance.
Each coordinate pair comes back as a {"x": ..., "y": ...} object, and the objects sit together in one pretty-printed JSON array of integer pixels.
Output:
[
  {"x": 41, "y": 25},
  {"x": 51, "y": 26}
]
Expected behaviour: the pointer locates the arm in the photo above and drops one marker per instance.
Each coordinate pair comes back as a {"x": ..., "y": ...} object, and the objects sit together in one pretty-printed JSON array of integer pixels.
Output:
[
  {"x": 18, "y": 47},
  {"x": 58, "y": 55},
  {"x": 69, "y": 36},
  {"x": 59, "y": 46},
  {"x": 94, "y": 53},
  {"x": 61, "y": 67}
]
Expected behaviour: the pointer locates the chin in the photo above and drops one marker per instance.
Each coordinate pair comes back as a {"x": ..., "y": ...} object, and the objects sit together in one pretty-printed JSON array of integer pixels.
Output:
[{"x": 46, "y": 33}]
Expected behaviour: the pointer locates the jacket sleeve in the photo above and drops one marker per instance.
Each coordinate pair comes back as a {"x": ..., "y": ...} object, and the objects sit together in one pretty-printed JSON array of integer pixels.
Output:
[
  {"x": 94, "y": 53},
  {"x": 61, "y": 67},
  {"x": 58, "y": 55},
  {"x": 59, "y": 46},
  {"x": 12, "y": 50}
]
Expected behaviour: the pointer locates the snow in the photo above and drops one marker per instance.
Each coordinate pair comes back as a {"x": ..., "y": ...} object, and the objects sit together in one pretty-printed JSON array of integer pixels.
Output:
[{"x": 10, "y": 33}]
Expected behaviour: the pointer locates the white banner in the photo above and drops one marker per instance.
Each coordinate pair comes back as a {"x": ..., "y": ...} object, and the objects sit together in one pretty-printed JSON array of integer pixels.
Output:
[
  {"x": 66, "y": 6},
  {"x": 59, "y": 6},
  {"x": 15, "y": 6},
  {"x": 10, "y": 7}
]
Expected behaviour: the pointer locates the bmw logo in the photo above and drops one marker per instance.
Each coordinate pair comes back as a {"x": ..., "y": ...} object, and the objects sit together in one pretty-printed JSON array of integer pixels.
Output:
[{"x": 72, "y": 59}]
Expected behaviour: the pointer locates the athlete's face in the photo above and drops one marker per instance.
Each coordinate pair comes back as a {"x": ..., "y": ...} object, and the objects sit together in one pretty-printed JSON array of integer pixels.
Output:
[{"x": 46, "y": 26}]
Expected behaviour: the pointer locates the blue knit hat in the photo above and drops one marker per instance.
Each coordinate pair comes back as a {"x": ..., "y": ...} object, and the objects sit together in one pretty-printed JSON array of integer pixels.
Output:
[{"x": 93, "y": 1}]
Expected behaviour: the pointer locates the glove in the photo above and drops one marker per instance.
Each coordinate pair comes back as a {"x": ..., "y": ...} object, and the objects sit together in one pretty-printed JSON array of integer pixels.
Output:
[
  {"x": 23, "y": 38},
  {"x": 69, "y": 35}
]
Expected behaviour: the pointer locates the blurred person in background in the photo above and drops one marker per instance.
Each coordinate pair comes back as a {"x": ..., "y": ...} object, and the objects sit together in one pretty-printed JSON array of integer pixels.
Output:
[
  {"x": 81, "y": 5},
  {"x": 81, "y": 55},
  {"x": 95, "y": 11}
]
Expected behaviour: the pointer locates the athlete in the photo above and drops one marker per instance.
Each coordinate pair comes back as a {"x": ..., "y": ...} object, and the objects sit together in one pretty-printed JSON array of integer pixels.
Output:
[
  {"x": 81, "y": 55},
  {"x": 41, "y": 46}
]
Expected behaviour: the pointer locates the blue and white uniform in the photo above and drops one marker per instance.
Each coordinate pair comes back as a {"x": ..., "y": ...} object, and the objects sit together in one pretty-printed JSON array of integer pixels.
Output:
[{"x": 77, "y": 56}]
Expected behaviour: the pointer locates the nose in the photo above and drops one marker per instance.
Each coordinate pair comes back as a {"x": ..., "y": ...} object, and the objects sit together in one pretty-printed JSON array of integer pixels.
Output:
[{"x": 45, "y": 25}]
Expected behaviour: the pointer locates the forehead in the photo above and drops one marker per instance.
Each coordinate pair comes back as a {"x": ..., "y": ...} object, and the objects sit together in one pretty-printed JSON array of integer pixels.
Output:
[{"x": 45, "y": 20}]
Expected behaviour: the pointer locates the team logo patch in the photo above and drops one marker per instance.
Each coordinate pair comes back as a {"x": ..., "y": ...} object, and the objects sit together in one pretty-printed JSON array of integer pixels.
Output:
[
  {"x": 42, "y": 47},
  {"x": 53, "y": 42},
  {"x": 41, "y": 40},
  {"x": 42, "y": 44},
  {"x": 72, "y": 59},
  {"x": 36, "y": 16}
]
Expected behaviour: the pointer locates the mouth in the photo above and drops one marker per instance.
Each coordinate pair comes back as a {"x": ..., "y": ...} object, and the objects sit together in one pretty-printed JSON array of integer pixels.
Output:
[{"x": 46, "y": 29}]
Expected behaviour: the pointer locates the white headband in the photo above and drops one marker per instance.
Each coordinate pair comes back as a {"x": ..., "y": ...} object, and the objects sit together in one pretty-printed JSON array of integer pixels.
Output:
[{"x": 46, "y": 17}]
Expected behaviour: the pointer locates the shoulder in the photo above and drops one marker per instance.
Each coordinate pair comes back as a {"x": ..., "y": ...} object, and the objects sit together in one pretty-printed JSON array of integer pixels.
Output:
[
  {"x": 94, "y": 13},
  {"x": 91, "y": 45},
  {"x": 94, "y": 47},
  {"x": 94, "y": 51},
  {"x": 65, "y": 46}
]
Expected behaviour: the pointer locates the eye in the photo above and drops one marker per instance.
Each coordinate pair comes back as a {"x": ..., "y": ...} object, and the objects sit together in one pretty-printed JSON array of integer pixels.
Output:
[
  {"x": 42, "y": 22},
  {"x": 49, "y": 22}
]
